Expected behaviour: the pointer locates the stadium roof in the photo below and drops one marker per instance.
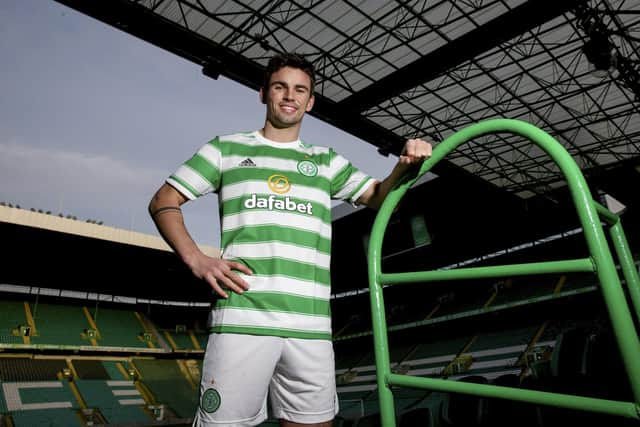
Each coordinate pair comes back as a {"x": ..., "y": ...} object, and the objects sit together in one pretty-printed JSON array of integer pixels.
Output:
[
  {"x": 389, "y": 70},
  {"x": 90, "y": 229},
  {"x": 59, "y": 256}
]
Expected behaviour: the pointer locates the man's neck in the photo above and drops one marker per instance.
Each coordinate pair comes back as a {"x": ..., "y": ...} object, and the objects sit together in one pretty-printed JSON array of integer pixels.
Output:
[{"x": 280, "y": 135}]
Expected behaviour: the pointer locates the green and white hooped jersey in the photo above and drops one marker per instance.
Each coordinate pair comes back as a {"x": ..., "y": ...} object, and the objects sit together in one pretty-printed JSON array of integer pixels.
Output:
[{"x": 275, "y": 204}]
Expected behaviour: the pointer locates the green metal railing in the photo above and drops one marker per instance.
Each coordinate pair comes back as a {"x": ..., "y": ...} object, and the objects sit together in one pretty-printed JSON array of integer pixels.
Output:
[{"x": 591, "y": 215}]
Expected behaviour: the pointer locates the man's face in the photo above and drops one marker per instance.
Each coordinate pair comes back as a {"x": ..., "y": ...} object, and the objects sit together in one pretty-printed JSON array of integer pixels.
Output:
[{"x": 288, "y": 97}]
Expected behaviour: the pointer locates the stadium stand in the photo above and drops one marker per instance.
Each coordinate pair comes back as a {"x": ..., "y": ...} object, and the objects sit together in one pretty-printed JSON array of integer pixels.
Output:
[
  {"x": 113, "y": 361},
  {"x": 114, "y": 369},
  {"x": 120, "y": 387},
  {"x": 119, "y": 401},
  {"x": 419, "y": 417},
  {"x": 121, "y": 328},
  {"x": 48, "y": 418},
  {"x": 182, "y": 340},
  {"x": 90, "y": 369},
  {"x": 492, "y": 354},
  {"x": 171, "y": 384},
  {"x": 59, "y": 324},
  {"x": 43, "y": 403},
  {"x": 465, "y": 410},
  {"x": 202, "y": 340},
  {"x": 14, "y": 369},
  {"x": 503, "y": 412},
  {"x": 372, "y": 420},
  {"x": 12, "y": 318}
]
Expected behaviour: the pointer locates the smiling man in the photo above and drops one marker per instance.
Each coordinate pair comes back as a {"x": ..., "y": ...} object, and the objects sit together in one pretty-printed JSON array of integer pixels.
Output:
[{"x": 270, "y": 325}]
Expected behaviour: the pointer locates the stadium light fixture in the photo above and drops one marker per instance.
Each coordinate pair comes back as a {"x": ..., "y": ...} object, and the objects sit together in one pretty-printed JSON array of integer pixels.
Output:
[
  {"x": 212, "y": 68},
  {"x": 600, "y": 53}
]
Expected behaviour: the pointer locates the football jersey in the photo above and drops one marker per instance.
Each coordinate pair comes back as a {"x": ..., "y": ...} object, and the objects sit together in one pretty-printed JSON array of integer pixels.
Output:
[{"x": 275, "y": 217}]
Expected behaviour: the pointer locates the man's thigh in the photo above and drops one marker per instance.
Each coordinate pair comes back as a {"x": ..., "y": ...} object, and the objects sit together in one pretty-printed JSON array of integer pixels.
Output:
[
  {"x": 303, "y": 388},
  {"x": 236, "y": 373}
]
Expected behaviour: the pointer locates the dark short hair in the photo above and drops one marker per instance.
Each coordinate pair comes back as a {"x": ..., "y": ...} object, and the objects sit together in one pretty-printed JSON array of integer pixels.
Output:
[{"x": 292, "y": 60}]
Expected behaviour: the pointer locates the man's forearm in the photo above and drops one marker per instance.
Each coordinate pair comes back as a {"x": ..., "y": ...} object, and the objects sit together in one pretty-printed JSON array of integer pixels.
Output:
[
  {"x": 220, "y": 274},
  {"x": 170, "y": 224},
  {"x": 415, "y": 151},
  {"x": 166, "y": 213},
  {"x": 381, "y": 189}
]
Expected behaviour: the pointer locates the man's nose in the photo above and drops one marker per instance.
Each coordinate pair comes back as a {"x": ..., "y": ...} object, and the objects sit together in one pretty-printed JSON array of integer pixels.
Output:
[{"x": 288, "y": 94}]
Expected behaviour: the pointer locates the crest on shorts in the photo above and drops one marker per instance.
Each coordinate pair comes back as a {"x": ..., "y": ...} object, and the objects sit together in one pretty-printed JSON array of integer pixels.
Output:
[{"x": 210, "y": 401}]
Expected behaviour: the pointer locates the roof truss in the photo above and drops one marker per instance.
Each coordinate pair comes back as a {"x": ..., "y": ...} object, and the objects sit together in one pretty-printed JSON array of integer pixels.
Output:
[{"x": 388, "y": 71}]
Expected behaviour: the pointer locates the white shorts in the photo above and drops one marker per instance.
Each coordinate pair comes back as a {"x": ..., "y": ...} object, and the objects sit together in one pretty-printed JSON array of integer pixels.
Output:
[{"x": 239, "y": 371}]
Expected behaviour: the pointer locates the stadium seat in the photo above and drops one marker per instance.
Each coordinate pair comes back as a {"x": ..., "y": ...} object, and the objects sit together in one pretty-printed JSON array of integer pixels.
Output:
[
  {"x": 504, "y": 412},
  {"x": 90, "y": 369},
  {"x": 604, "y": 368},
  {"x": 168, "y": 384},
  {"x": 27, "y": 369},
  {"x": 342, "y": 422},
  {"x": 371, "y": 420},
  {"x": 419, "y": 417},
  {"x": 570, "y": 352},
  {"x": 463, "y": 409}
]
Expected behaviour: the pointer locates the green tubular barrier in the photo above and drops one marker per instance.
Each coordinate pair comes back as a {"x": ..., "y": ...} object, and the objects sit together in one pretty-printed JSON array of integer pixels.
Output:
[
  {"x": 624, "y": 255},
  {"x": 600, "y": 261}
]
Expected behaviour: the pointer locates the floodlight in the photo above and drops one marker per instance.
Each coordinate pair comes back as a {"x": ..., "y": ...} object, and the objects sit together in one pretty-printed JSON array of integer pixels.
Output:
[
  {"x": 212, "y": 69},
  {"x": 600, "y": 53}
]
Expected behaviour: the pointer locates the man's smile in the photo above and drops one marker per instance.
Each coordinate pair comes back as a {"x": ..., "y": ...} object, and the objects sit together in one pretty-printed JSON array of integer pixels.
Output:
[{"x": 288, "y": 108}]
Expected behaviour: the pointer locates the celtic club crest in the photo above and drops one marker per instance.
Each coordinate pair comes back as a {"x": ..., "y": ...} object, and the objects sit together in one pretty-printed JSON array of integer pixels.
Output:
[
  {"x": 307, "y": 168},
  {"x": 210, "y": 400}
]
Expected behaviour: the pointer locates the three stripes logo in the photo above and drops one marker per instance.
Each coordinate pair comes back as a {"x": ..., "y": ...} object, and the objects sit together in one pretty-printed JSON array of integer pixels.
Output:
[{"x": 247, "y": 162}]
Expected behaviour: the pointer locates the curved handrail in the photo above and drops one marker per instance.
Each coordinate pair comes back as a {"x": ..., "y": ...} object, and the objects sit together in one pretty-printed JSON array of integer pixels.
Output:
[{"x": 600, "y": 261}]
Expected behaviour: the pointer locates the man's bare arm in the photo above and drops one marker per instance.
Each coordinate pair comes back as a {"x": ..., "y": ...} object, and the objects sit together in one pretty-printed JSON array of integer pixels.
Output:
[
  {"x": 165, "y": 211},
  {"x": 415, "y": 152}
]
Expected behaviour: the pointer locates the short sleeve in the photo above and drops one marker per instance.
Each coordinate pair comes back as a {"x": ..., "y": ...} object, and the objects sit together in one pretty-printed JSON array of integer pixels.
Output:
[
  {"x": 347, "y": 182},
  {"x": 200, "y": 174}
]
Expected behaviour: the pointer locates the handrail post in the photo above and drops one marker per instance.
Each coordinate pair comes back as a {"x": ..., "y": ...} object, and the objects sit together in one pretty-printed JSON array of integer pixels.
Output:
[
  {"x": 379, "y": 322},
  {"x": 627, "y": 265},
  {"x": 381, "y": 350}
]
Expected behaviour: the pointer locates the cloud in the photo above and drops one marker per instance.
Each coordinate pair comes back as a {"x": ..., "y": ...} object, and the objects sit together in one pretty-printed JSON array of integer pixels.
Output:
[
  {"x": 52, "y": 179},
  {"x": 91, "y": 187},
  {"x": 68, "y": 170}
]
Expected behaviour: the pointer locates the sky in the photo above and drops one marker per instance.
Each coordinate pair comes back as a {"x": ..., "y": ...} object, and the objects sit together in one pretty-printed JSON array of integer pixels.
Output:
[{"x": 93, "y": 120}]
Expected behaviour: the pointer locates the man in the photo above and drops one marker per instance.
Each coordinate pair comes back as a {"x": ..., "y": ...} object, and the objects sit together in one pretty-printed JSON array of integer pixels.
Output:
[{"x": 270, "y": 326}]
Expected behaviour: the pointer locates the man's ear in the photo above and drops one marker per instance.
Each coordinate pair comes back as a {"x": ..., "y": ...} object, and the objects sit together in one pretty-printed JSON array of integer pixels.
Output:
[
  {"x": 312, "y": 100},
  {"x": 264, "y": 101}
]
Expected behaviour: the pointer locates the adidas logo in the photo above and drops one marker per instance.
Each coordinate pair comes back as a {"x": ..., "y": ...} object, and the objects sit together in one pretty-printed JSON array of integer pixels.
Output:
[{"x": 247, "y": 162}]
